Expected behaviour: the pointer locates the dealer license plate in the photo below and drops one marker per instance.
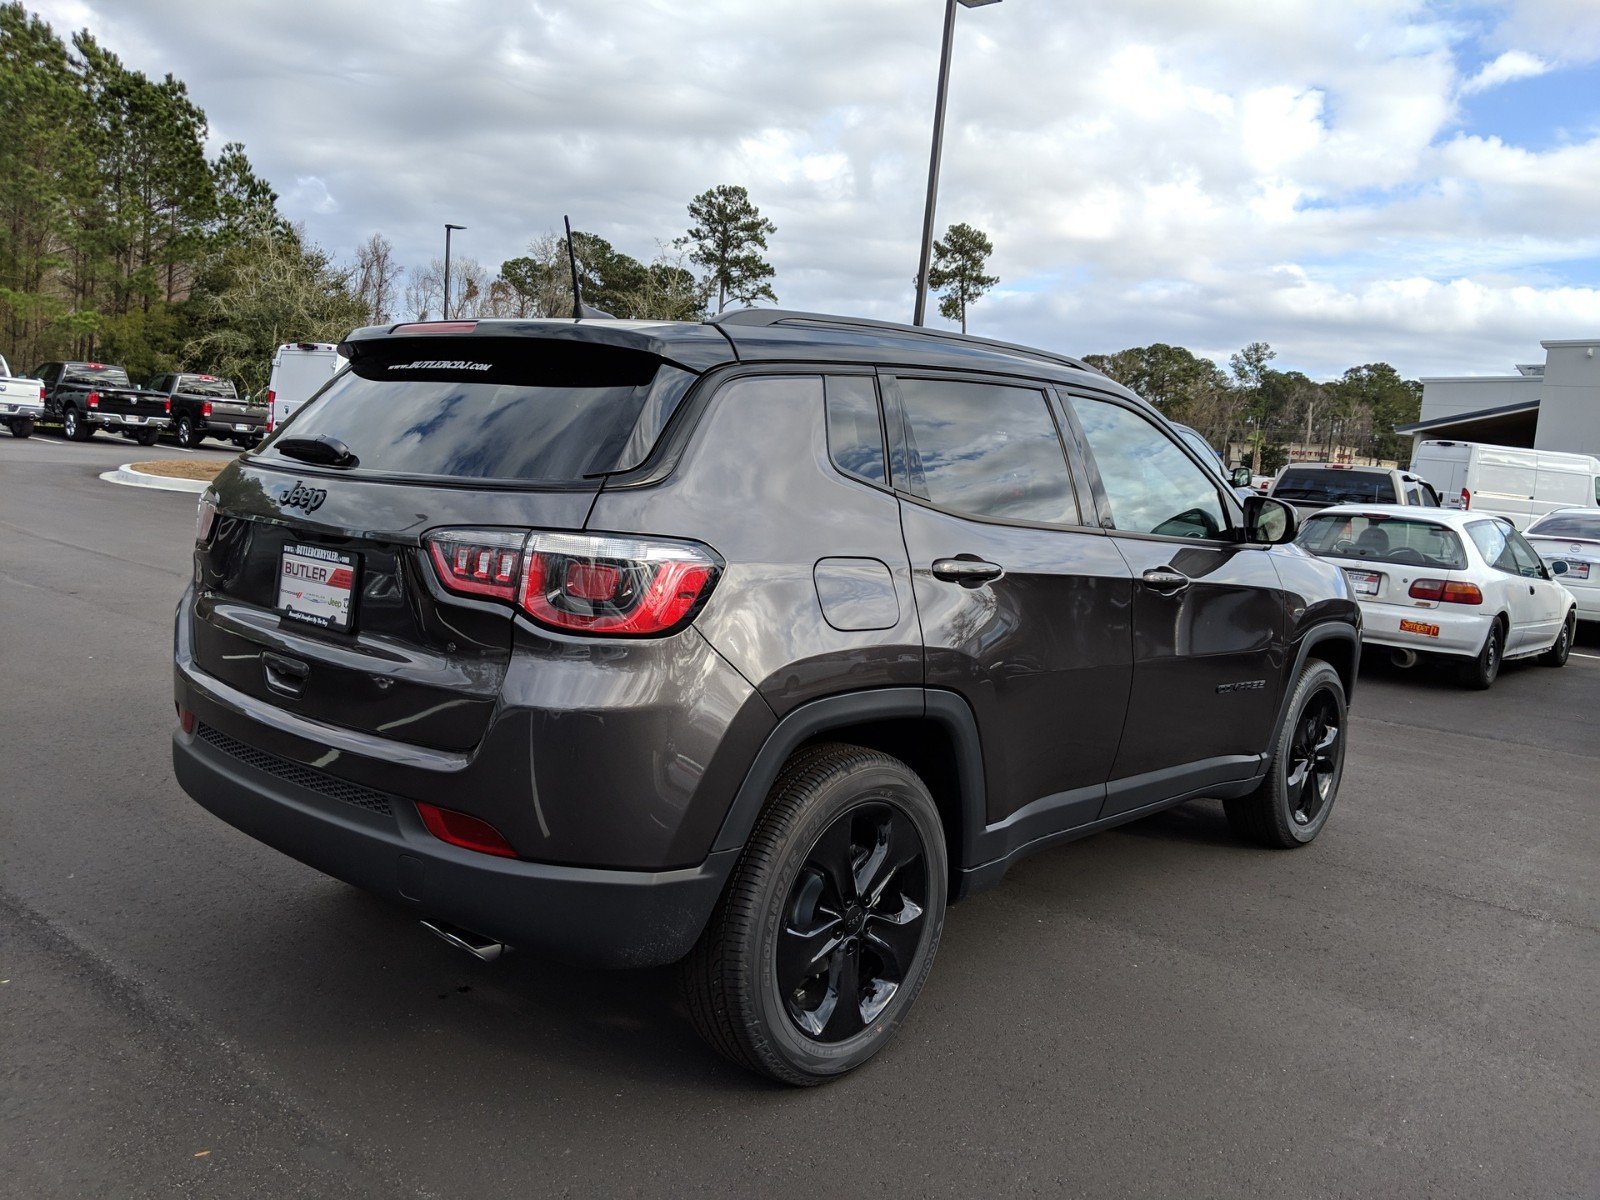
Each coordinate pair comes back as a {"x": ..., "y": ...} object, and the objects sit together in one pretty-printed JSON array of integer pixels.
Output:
[
  {"x": 1421, "y": 627},
  {"x": 318, "y": 586},
  {"x": 1363, "y": 583}
]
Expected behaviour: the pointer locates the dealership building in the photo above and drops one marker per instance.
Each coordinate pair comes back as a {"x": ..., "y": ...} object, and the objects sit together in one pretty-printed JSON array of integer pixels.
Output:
[{"x": 1553, "y": 405}]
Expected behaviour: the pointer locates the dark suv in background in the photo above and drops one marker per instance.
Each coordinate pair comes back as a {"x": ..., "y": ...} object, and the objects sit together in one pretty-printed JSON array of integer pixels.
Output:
[{"x": 750, "y": 644}]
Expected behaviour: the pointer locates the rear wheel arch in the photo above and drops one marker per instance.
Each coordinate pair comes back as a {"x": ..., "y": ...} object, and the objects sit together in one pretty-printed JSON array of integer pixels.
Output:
[{"x": 932, "y": 732}]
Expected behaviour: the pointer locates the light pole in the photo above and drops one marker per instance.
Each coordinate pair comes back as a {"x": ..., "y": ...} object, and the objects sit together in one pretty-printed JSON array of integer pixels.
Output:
[
  {"x": 938, "y": 143},
  {"x": 445, "y": 316}
]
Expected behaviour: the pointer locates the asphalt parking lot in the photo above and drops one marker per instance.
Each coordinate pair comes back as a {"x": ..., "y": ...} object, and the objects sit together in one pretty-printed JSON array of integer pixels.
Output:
[{"x": 1406, "y": 1008}]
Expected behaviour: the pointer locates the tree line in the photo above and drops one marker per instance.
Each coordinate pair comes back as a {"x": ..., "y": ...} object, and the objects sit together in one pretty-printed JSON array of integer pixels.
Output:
[{"x": 1261, "y": 412}]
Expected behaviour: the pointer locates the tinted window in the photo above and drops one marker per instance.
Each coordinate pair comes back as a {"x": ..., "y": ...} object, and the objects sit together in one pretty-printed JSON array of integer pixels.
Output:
[
  {"x": 509, "y": 409},
  {"x": 1397, "y": 540},
  {"x": 1529, "y": 564},
  {"x": 1151, "y": 485},
  {"x": 855, "y": 436},
  {"x": 205, "y": 385},
  {"x": 1494, "y": 544},
  {"x": 986, "y": 450},
  {"x": 1567, "y": 525},
  {"x": 1329, "y": 485},
  {"x": 95, "y": 373}
]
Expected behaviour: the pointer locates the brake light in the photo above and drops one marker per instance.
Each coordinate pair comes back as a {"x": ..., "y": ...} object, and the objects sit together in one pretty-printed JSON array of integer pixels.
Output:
[
  {"x": 459, "y": 829},
  {"x": 1438, "y": 590},
  {"x": 1466, "y": 498},
  {"x": 92, "y": 399},
  {"x": 41, "y": 393},
  {"x": 205, "y": 518},
  {"x": 205, "y": 408},
  {"x": 579, "y": 583},
  {"x": 167, "y": 404},
  {"x": 436, "y": 327}
]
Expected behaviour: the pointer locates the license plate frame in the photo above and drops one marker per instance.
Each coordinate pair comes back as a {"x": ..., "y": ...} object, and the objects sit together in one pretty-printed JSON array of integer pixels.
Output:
[
  {"x": 1420, "y": 627},
  {"x": 1363, "y": 583},
  {"x": 1578, "y": 570},
  {"x": 323, "y": 582}
]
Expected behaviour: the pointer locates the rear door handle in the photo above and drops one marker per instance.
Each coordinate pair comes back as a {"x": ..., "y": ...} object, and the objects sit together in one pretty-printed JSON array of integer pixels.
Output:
[
  {"x": 1166, "y": 580},
  {"x": 969, "y": 572}
]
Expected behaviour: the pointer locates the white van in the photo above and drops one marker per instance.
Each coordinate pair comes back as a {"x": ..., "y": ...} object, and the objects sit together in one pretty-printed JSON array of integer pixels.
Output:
[
  {"x": 299, "y": 369},
  {"x": 1506, "y": 481}
]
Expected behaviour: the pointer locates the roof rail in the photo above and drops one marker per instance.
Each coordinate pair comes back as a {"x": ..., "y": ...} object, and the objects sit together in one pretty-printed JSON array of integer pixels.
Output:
[{"x": 761, "y": 317}]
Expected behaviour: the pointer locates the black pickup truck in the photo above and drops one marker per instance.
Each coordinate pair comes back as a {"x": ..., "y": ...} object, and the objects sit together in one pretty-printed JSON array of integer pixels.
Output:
[
  {"x": 203, "y": 406},
  {"x": 85, "y": 396}
]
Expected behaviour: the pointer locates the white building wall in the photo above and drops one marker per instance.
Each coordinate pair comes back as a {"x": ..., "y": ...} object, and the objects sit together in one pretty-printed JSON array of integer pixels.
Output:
[
  {"x": 1456, "y": 396},
  {"x": 1569, "y": 398}
]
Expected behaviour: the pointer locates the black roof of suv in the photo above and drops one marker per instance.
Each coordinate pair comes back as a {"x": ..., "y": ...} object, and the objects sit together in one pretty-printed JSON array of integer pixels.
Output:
[{"x": 749, "y": 644}]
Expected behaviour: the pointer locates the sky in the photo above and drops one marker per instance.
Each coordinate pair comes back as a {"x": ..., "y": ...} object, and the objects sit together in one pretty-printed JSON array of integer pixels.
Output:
[{"x": 1407, "y": 181}]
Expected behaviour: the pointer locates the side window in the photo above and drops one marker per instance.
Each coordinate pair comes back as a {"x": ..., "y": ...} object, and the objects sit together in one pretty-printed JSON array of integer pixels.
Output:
[
  {"x": 1527, "y": 558},
  {"x": 986, "y": 450},
  {"x": 1152, "y": 486},
  {"x": 855, "y": 434},
  {"x": 1492, "y": 542}
]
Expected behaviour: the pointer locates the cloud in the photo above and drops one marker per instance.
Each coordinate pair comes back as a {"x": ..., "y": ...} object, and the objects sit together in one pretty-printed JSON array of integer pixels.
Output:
[
  {"x": 1510, "y": 66},
  {"x": 1200, "y": 172}
]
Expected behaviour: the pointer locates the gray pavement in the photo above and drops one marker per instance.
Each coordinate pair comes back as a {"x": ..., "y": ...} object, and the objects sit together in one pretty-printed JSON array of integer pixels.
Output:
[{"x": 1404, "y": 1009}]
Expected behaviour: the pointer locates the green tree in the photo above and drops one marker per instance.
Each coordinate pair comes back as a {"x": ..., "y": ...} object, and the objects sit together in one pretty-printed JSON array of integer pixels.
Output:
[
  {"x": 725, "y": 236},
  {"x": 957, "y": 273},
  {"x": 1386, "y": 400}
]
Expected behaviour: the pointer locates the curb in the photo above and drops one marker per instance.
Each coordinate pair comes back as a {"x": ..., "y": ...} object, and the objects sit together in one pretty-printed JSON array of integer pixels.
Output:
[{"x": 128, "y": 477}]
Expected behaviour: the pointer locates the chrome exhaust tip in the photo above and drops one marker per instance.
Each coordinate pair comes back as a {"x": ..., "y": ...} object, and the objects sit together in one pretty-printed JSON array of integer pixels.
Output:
[
  {"x": 1404, "y": 659},
  {"x": 475, "y": 944}
]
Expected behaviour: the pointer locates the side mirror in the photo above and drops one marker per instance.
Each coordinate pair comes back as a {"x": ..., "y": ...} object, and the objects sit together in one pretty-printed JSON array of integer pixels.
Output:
[
  {"x": 1269, "y": 522},
  {"x": 1559, "y": 567},
  {"x": 1241, "y": 476}
]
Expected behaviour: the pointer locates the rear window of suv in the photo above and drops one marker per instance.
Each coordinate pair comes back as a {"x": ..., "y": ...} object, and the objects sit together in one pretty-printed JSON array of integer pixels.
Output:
[
  {"x": 508, "y": 410},
  {"x": 1397, "y": 540},
  {"x": 1328, "y": 485}
]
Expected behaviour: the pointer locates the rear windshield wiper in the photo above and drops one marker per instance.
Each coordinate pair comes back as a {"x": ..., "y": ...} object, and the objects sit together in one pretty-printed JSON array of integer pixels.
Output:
[{"x": 323, "y": 450}]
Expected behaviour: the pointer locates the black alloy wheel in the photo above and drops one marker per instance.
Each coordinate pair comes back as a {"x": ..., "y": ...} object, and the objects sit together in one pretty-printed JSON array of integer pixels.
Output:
[
  {"x": 852, "y": 923},
  {"x": 828, "y": 926},
  {"x": 1291, "y": 804}
]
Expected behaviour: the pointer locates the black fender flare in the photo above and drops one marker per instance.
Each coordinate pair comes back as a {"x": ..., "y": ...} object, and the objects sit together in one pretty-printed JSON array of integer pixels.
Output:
[
  {"x": 853, "y": 708},
  {"x": 1316, "y": 636}
]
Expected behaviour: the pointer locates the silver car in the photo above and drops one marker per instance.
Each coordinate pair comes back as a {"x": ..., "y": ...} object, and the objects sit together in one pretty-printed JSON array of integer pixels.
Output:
[{"x": 1568, "y": 539}]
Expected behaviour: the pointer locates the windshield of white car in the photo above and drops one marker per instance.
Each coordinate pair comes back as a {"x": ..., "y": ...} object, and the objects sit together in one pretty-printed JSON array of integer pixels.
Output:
[
  {"x": 1385, "y": 539},
  {"x": 1583, "y": 526},
  {"x": 1329, "y": 485}
]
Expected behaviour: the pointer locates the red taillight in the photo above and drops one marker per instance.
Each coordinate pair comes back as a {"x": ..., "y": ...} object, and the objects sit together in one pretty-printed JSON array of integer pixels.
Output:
[
  {"x": 271, "y": 395},
  {"x": 459, "y": 829},
  {"x": 1437, "y": 590},
  {"x": 92, "y": 399},
  {"x": 205, "y": 408},
  {"x": 1466, "y": 498},
  {"x": 580, "y": 583},
  {"x": 41, "y": 394},
  {"x": 479, "y": 562},
  {"x": 167, "y": 405}
]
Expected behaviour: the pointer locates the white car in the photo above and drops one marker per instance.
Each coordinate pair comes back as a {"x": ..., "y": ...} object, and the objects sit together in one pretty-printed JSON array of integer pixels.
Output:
[
  {"x": 1568, "y": 540},
  {"x": 1462, "y": 585}
]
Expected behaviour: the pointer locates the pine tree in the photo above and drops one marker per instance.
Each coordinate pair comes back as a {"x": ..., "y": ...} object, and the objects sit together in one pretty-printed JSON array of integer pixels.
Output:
[
  {"x": 957, "y": 273},
  {"x": 728, "y": 231}
]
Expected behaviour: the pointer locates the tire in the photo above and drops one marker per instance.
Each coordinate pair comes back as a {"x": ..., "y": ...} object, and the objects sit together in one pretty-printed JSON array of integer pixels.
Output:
[
  {"x": 74, "y": 426},
  {"x": 1558, "y": 654},
  {"x": 1292, "y": 804},
  {"x": 187, "y": 437},
  {"x": 147, "y": 437},
  {"x": 850, "y": 849},
  {"x": 22, "y": 428},
  {"x": 1480, "y": 673}
]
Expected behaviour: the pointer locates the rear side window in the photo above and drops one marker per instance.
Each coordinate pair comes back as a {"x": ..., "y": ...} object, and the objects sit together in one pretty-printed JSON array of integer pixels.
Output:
[
  {"x": 1494, "y": 542},
  {"x": 986, "y": 450},
  {"x": 509, "y": 410},
  {"x": 855, "y": 434},
  {"x": 1396, "y": 540},
  {"x": 1328, "y": 485}
]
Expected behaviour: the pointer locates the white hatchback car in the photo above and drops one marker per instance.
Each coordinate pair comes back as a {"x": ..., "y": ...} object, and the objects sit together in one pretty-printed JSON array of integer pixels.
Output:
[
  {"x": 1568, "y": 539},
  {"x": 1464, "y": 585}
]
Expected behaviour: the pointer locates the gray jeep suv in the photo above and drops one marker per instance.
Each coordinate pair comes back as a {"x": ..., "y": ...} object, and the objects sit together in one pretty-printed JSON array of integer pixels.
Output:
[{"x": 751, "y": 644}]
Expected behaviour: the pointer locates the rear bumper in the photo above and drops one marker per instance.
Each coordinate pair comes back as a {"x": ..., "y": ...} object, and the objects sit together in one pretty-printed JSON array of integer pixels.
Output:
[
  {"x": 125, "y": 420},
  {"x": 1462, "y": 629},
  {"x": 16, "y": 410},
  {"x": 585, "y": 915}
]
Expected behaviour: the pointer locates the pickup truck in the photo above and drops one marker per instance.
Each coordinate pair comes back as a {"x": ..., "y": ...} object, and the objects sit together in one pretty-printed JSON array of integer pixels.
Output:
[
  {"x": 85, "y": 396},
  {"x": 1312, "y": 486},
  {"x": 204, "y": 406},
  {"x": 21, "y": 401}
]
